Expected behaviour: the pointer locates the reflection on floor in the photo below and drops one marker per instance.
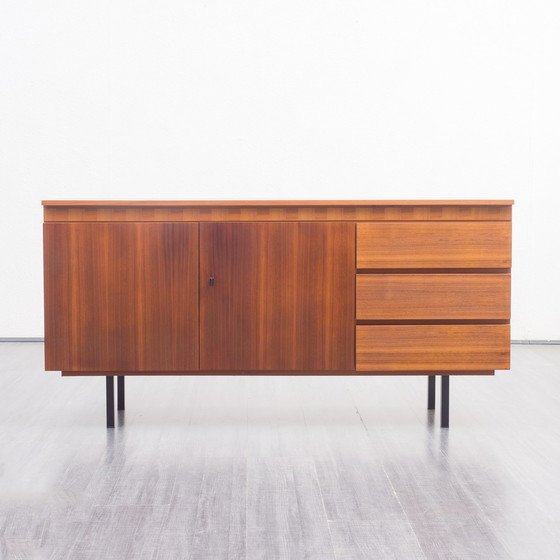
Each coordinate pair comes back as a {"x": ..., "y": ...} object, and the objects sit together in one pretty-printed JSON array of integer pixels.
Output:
[{"x": 280, "y": 467}]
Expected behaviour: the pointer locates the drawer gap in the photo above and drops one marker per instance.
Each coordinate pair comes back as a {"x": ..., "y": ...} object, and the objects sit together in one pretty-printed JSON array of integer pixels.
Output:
[
  {"x": 432, "y": 322},
  {"x": 433, "y": 270}
]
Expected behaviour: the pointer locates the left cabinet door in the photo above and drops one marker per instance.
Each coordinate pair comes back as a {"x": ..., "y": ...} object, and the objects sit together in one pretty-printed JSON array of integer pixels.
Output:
[{"x": 121, "y": 297}]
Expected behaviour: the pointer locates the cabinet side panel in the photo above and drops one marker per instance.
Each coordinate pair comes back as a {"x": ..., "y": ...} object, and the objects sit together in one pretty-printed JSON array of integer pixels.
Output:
[
  {"x": 282, "y": 299},
  {"x": 121, "y": 297}
]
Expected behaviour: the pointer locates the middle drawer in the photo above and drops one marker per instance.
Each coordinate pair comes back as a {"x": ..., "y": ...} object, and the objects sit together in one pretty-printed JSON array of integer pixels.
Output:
[{"x": 432, "y": 296}]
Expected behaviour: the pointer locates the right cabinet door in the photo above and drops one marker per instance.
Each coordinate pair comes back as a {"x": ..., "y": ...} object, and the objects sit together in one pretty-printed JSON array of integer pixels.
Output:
[{"x": 277, "y": 296}]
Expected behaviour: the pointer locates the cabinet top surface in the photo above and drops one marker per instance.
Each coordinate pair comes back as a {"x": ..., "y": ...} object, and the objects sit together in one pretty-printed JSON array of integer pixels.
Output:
[{"x": 277, "y": 203}]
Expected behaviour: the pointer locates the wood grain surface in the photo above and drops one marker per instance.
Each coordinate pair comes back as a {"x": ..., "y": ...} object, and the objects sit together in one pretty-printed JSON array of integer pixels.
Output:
[
  {"x": 432, "y": 347},
  {"x": 121, "y": 297},
  {"x": 434, "y": 245},
  {"x": 432, "y": 296},
  {"x": 267, "y": 213},
  {"x": 283, "y": 297}
]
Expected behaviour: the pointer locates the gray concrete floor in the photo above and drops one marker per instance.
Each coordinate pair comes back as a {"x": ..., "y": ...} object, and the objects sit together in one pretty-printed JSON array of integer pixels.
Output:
[{"x": 280, "y": 467}]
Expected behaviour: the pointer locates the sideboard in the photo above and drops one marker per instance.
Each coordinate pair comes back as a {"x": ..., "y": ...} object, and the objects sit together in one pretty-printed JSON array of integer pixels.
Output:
[{"x": 392, "y": 287}]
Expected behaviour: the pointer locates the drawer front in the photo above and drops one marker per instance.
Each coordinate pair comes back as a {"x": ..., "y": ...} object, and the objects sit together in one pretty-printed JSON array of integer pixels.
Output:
[
  {"x": 432, "y": 347},
  {"x": 434, "y": 245},
  {"x": 433, "y": 296}
]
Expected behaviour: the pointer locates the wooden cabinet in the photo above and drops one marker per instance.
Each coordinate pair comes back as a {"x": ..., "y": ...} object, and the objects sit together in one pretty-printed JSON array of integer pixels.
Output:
[{"x": 277, "y": 287}]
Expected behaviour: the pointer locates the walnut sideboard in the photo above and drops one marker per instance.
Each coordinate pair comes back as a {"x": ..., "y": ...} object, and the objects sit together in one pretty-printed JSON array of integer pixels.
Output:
[{"x": 277, "y": 288}]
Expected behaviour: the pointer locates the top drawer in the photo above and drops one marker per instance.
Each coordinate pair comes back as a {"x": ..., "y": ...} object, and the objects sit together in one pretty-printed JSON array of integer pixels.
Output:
[{"x": 434, "y": 245}]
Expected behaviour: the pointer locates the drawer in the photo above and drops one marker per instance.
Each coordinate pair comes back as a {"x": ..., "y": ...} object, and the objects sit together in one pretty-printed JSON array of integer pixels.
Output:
[
  {"x": 433, "y": 296},
  {"x": 434, "y": 245},
  {"x": 432, "y": 347}
]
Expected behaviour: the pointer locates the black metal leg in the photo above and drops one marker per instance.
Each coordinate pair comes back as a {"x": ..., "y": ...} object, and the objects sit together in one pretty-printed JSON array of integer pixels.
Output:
[
  {"x": 110, "y": 402},
  {"x": 445, "y": 401},
  {"x": 120, "y": 392},
  {"x": 431, "y": 392}
]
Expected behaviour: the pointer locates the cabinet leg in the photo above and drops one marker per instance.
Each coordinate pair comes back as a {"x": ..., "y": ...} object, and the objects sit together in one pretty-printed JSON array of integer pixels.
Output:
[
  {"x": 120, "y": 392},
  {"x": 445, "y": 401},
  {"x": 431, "y": 392},
  {"x": 110, "y": 401}
]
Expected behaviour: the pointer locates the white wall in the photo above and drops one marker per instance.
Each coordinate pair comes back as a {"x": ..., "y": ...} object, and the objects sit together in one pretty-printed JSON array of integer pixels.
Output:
[{"x": 281, "y": 99}]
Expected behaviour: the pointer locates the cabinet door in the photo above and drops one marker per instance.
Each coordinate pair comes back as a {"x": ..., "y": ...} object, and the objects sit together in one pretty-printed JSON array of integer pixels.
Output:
[
  {"x": 121, "y": 297},
  {"x": 281, "y": 298}
]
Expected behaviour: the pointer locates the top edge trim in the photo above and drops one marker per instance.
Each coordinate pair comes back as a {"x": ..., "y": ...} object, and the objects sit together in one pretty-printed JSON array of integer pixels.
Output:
[{"x": 276, "y": 203}]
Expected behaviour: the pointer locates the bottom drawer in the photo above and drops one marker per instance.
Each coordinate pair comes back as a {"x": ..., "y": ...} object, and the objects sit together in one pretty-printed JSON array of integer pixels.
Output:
[{"x": 432, "y": 347}]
